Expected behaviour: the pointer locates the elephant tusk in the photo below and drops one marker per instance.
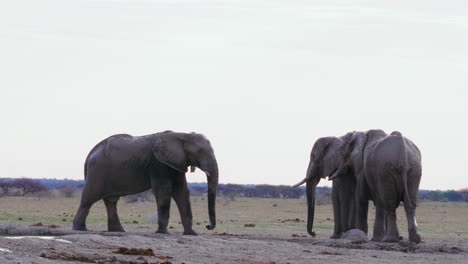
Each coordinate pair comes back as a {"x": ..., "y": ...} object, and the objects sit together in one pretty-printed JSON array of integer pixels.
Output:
[
  {"x": 334, "y": 176},
  {"x": 192, "y": 168},
  {"x": 331, "y": 178},
  {"x": 207, "y": 174},
  {"x": 300, "y": 183}
]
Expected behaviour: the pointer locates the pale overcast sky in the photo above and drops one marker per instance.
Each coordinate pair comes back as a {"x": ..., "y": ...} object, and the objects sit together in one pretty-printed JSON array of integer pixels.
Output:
[{"x": 262, "y": 79}]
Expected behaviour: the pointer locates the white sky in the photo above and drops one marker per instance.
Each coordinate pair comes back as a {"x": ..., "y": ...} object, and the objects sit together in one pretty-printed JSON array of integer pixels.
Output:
[{"x": 262, "y": 79}]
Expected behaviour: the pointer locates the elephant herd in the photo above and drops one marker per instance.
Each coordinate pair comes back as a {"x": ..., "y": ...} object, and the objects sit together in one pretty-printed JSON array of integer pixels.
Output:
[
  {"x": 367, "y": 166},
  {"x": 372, "y": 165}
]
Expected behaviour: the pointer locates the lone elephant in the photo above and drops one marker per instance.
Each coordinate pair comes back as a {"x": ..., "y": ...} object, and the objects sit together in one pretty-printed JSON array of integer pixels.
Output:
[{"x": 124, "y": 164}]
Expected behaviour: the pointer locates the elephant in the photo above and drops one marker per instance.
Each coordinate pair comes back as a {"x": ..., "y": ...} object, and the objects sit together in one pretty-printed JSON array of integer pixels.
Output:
[
  {"x": 123, "y": 164},
  {"x": 387, "y": 170},
  {"x": 325, "y": 161}
]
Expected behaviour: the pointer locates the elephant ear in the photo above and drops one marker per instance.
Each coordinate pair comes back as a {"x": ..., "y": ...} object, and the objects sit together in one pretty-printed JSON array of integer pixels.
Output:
[
  {"x": 349, "y": 142},
  {"x": 168, "y": 148},
  {"x": 319, "y": 149}
]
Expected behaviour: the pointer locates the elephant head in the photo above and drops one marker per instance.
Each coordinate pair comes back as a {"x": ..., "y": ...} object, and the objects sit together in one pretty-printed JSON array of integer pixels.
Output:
[
  {"x": 324, "y": 161},
  {"x": 180, "y": 150}
]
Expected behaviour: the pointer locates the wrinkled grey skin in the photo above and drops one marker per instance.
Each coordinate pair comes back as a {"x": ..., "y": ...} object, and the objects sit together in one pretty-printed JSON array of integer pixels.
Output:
[
  {"x": 123, "y": 164},
  {"x": 388, "y": 170},
  {"x": 325, "y": 161}
]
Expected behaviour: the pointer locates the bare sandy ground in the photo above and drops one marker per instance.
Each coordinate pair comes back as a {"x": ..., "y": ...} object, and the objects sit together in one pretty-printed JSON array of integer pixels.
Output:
[{"x": 87, "y": 247}]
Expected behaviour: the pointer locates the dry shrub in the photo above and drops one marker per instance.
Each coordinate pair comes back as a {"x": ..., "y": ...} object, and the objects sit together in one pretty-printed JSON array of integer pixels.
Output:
[{"x": 67, "y": 190}]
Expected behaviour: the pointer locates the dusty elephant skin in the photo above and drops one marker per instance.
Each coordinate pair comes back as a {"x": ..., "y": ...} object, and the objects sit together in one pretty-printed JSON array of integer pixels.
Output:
[{"x": 124, "y": 164}]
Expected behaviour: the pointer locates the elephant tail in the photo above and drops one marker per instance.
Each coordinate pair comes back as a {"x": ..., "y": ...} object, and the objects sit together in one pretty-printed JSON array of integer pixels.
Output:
[
  {"x": 86, "y": 168},
  {"x": 403, "y": 167},
  {"x": 411, "y": 203}
]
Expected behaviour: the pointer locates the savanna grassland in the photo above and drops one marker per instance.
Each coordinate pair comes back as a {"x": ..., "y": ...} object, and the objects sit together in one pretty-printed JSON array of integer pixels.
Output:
[
  {"x": 273, "y": 217},
  {"x": 249, "y": 230}
]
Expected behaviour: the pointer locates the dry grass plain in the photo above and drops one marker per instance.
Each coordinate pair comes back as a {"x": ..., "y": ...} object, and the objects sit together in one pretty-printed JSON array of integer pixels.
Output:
[
  {"x": 439, "y": 221},
  {"x": 279, "y": 228}
]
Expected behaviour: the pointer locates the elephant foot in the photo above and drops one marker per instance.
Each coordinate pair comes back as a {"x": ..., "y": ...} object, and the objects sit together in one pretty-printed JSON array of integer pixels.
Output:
[
  {"x": 162, "y": 231},
  {"x": 190, "y": 232},
  {"x": 335, "y": 236},
  {"x": 416, "y": 238},
  {"x": 390, "y": 238},
  {"x": 116, "y": 229}
]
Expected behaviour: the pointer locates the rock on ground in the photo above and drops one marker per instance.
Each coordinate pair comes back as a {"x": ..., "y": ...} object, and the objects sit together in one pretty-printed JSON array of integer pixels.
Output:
[{"x": 355, "y": 235}]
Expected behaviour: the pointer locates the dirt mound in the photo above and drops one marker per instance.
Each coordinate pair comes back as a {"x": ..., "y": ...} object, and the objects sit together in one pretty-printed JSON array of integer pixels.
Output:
[
  {"x": 294, "y": 220},
  {"x": 296, "y": 235},
  {"x": 67, "y": 257},
  {"x": 139, "y": 251},
  {"x": 402, "y": 246},
  {"x": 49, "y": 226},
  {"x": 134, "y": 251},
  {"x": 103, "y": 259}
]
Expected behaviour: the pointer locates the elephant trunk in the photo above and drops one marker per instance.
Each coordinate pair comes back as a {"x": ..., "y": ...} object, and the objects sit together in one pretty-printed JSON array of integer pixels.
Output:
[
  {"x": 212, "y": 177},
  {"x": 313, "y": 179},
  {"x": 310, "y": 190}
]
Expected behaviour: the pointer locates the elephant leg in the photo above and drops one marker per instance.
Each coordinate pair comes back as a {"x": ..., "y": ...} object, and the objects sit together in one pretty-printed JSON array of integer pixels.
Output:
[
  {"x": 347, "y": 206},
  {"x": 79, "y": 222},
  {"x": 344, "y": 217},
  {"x": 113, "y": 222},
  {"x": 391, "y": 232},
  {"x": 88, "y": 198},
  {"x": 181, "y": 195},
  {"x": 412, "y": 224},
  {"x": 162, "y": 189},
  {"x": 337, "y": 231},
  {"x": 362, "y": 203},
  {"x": 352, "y": 212},
  {"x": 379, "y": 224},
  {"x": 362, "y": 208},
  {"x": 351, "y": 202}
]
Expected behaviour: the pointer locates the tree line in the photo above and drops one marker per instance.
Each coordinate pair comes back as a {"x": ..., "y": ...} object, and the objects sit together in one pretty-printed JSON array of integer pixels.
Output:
[
  {"x": 68, "y": 188},
  {"x": 444, "y": 196},
  {"x": 38, "y": 187}
]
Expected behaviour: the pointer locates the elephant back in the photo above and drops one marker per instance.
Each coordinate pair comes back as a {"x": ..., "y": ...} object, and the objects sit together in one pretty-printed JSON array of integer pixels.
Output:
[
  {"x": 128, "y": 151},
  {"x": 101, "y": 146}
]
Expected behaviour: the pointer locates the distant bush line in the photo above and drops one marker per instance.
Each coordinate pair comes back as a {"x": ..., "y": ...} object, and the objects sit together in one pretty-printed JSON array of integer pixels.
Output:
[{"x": 67, "y": 187}]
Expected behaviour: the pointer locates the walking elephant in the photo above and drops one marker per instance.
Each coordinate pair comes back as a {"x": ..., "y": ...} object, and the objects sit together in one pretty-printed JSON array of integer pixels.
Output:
[
  {"x": 325, "y": 161},
  {"x": 387, "y": 170},
  {"x": 124, "y": 164}
]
